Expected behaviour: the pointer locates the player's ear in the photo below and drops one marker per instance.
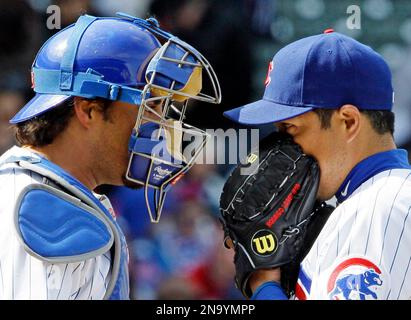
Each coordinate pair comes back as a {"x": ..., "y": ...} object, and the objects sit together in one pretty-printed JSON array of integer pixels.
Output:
[
  {"x": 350, "y": 120},
  {"x": 85, "y": 111}
]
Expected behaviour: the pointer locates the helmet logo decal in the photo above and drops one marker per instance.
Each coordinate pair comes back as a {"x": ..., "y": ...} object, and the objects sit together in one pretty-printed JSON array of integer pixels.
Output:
[{"x": 268, "y": 78}]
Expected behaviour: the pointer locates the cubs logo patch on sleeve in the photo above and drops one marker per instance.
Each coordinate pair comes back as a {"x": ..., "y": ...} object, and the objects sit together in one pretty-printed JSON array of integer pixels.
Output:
[{"x": 357, "y": 278}]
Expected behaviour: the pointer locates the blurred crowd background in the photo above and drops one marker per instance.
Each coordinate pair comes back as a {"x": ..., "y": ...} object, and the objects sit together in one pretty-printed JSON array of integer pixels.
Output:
[{"x": 182, "y": 257}]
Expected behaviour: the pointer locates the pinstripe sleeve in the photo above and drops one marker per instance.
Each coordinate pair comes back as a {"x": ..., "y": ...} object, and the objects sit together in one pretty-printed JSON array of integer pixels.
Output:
[
  {"x": 85, "y": 280},
  {"x": 366, "y": 254}
]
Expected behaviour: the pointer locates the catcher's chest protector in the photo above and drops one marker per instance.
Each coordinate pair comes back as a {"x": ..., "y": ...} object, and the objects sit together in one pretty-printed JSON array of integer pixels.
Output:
[{"x": 86, "y": 212}]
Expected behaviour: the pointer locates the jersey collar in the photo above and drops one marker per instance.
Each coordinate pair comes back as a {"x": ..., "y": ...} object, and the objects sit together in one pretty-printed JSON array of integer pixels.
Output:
[{"x": 369, "y": 167}]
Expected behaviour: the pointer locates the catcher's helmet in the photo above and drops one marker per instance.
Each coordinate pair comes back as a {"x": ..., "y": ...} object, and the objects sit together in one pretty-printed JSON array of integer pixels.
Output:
[
  {"x": 132, "y": 60},
  {"x": 109, "y": 52}
]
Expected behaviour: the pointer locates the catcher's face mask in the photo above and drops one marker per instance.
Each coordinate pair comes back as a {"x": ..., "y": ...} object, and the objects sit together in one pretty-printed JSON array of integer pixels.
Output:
[{"x": 157, "y": 145}]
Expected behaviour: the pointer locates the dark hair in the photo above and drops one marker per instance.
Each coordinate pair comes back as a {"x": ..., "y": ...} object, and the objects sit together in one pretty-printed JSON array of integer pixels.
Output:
[
  {"x": 325, "y": 117},
  {"x": 382, "y": 121},
  {"x": 43, "y": 129}
]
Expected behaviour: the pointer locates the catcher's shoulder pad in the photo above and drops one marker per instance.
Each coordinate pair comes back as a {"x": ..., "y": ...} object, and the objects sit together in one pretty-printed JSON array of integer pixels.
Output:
[{"x": 56, "y": 227}]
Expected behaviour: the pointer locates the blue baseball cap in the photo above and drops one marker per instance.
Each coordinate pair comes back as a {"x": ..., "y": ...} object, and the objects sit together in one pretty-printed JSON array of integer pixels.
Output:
[{"x": 325, "y": 71}]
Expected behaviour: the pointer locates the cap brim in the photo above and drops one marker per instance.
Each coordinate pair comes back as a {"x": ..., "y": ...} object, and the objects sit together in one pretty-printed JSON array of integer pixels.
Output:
[
  {"x": 37, "y": 106},
  {"x": 264, "y": 112}
]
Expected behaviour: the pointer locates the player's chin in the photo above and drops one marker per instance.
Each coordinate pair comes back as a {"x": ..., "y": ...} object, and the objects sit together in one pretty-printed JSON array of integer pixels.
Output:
[{"x": 130, "y": 184}]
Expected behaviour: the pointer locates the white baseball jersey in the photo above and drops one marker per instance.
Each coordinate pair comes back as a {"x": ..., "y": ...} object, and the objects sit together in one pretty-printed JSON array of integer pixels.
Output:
[
  {"x": 364, "y": 250},
  {"x": 23, "y": 276}
]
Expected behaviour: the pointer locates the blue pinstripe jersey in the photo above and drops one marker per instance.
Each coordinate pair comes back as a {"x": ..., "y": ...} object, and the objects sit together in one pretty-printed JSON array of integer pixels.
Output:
[{"x": 364, "y": 249}]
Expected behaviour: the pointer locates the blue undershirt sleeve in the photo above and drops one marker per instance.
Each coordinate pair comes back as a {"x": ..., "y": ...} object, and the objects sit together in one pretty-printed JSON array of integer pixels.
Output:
[{"x": 269, "y": 291}]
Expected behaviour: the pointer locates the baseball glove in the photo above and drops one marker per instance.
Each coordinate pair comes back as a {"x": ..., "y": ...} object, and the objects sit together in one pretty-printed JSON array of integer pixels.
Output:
[{"x": 271, "y": 214}]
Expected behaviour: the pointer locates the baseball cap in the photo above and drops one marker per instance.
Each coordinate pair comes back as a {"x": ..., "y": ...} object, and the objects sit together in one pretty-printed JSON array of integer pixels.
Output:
[{"x": 322, "y": 71}]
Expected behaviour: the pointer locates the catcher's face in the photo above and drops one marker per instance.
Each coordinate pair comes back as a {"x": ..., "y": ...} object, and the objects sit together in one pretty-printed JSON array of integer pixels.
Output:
[
  {"x": 329, "y": 146},
  {"x": 112, "y": 139}
]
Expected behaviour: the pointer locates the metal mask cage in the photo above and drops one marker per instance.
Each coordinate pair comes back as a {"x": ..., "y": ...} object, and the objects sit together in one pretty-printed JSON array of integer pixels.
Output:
[
  {"x": 170, "y": 115},
  {"x": 182, "y": 165}
]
